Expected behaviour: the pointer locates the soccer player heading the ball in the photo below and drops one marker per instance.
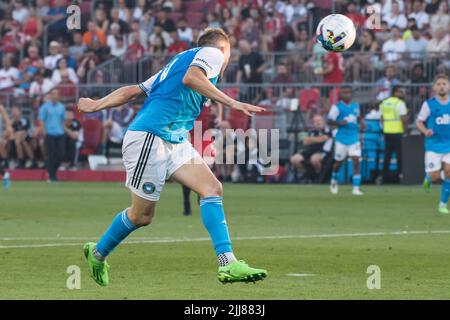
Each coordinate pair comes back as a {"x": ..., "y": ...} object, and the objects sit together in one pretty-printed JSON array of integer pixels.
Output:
[{"x": 155, "y": 148}]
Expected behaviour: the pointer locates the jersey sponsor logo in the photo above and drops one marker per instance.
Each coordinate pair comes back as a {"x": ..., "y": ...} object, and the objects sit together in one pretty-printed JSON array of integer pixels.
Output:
[
  {"x": 351, "y": 119},
  {"x": 444, "y": 120},
  {"x": 202, "y": 61}
]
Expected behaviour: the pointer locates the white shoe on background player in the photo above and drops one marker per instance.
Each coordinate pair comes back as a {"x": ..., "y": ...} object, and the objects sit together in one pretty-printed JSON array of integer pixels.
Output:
[{"x": 334, "y": 188}]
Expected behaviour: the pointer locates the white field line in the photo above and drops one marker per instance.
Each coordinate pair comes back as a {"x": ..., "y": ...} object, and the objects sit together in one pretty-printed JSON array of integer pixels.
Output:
[{"x": 168, "y": 240}]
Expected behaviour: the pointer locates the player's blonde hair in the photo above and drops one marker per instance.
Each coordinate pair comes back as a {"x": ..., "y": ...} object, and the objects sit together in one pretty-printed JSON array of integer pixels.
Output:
[
  {"x": 211, "y": 36},
  {"x": 440, "y": 76}
]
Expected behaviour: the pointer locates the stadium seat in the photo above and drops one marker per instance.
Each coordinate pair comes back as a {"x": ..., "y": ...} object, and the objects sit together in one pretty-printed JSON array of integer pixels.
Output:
[
  {"x": 77, "y": 114},
  {"x": 92, "y": 133},
  {"x": 195, "y": 6},
  {"x": 238, "y": 120},
  {"x": 308, "y": 97}
]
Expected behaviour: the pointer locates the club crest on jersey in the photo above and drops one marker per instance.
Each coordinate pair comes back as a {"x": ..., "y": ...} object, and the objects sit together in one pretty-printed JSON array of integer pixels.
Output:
[
  {"x": 148, "y": 188},
  {"x": 444, "y": 120}
]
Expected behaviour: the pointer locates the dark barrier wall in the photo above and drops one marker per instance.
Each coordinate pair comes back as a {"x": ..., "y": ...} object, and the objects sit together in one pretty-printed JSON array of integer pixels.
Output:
[{"x": 413, "y": 159}]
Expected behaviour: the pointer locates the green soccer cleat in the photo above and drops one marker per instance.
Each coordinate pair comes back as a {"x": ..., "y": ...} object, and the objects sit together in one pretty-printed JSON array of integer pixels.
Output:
[
  {"x": 443, "y": 209},
  {"x": 239, "y": 271},
  {"x": 97, "y": 269},
  {"x": 426, "y": 185}
]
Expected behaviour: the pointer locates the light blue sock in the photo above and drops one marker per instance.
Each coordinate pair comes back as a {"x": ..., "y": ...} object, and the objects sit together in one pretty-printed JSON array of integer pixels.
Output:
[
  {"x": 334, "y": 175},
  {"x": 356, "y": 180},
  {"x": 214, "y": 221},
  {"x": 120, "y": 228},
  {"x": 445, "y": 191}
]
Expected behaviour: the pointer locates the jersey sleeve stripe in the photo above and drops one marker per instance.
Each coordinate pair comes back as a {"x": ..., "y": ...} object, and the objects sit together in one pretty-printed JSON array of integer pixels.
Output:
[{"x": 143, "y": 89}]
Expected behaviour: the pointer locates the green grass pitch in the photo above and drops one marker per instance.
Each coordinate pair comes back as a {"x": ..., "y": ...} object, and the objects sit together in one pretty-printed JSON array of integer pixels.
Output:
[{"x": 327, "y": 241}]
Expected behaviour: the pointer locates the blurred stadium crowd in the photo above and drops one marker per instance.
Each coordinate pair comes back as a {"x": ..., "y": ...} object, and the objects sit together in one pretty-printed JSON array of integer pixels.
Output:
[{"x": 276, "y": 62}]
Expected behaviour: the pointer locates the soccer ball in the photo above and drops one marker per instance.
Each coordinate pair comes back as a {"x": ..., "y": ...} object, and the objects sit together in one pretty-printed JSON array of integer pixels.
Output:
[{"x": 336, "y": 33}]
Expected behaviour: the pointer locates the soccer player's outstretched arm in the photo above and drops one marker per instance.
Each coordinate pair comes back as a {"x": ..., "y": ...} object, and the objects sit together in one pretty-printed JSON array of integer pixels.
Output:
[
  {"x": 116, "y": 98},
  {"x": 195, "y": 78}
]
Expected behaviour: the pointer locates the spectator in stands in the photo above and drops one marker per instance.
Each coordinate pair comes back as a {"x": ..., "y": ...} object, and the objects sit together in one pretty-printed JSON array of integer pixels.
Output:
[
  {"x": 385, "y": 84},
  {"x": 441, "y": 19},
  {"x": 438, "y": 46},
  {"x": 32, "y": 27},
  {"x": 50, "y": 61},
  {"x": 185, "y": 32},
  {"x": 77, "y": 49},
  {"x": 352, "y": 12},
  {"x": 115, "y": 19},
  {"x": 88, "y": 63},
  {"x": 422, "y": 18},
  {"x": 158, "y": 51},
  {"x": 148, "y": 21},
  {"x": 51, "y": 117},
  {"x": 333, "y": 71},
  {"x": 41, "y": 85},
  {"x": 6, "y": 133},
  {"x": 124, "y": 11},
  {"x": 251, "y": 68},
  {"x": 135, "y": 29},
  {"x": 115, "y": 126},
  {"x": 362, "y": 63},
  {"x": 114, "y": 31},
  {"x": 21, "y": 138},
  {"x": 135, "y": 50},
  {"x": 14, "y": 39},
  {"x": 394, "y": 48},
  {"x": 432, "y": 6},
  {"x": 282, "y": 74},
  {"x": 408, "y": 32},
  {"x": 20, "y": 12},
  {"x": 63, "y": 68},
  {"x": 101, "y": 20},
  {"x": 119, "y": 47},
  {"x": 282, "y": 77},
  {"x": 395, "y": 17},
  {"x": 74, "y": 138},
  {"x": 42, "y": 9},
  {"x": 35, "y": 59},
  {"x": 418, "y": 93},
  {"x": 383, "y": 33},
  {"x": 251, "y": 32},
  {"x": 6, "y": 22},
  {"x": 71, "y": 62},
  {"x": 166, "y": 23},
  {"x": 9, "y": 75},
  {"x": 159, "y": 32},
  {"x": 311, "y": 156},
  {"x": 212, "y": 19},
  {"x": 56, "y": 18},
  {"x": 287, "y": 101},
  {"x": 269, "y": 99},
  {"x": 93, "y": 33},
  {"x": 177, "y": 45},
  {"x": 416, "y": 45},
  {"x": 139, "y": 10}
]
